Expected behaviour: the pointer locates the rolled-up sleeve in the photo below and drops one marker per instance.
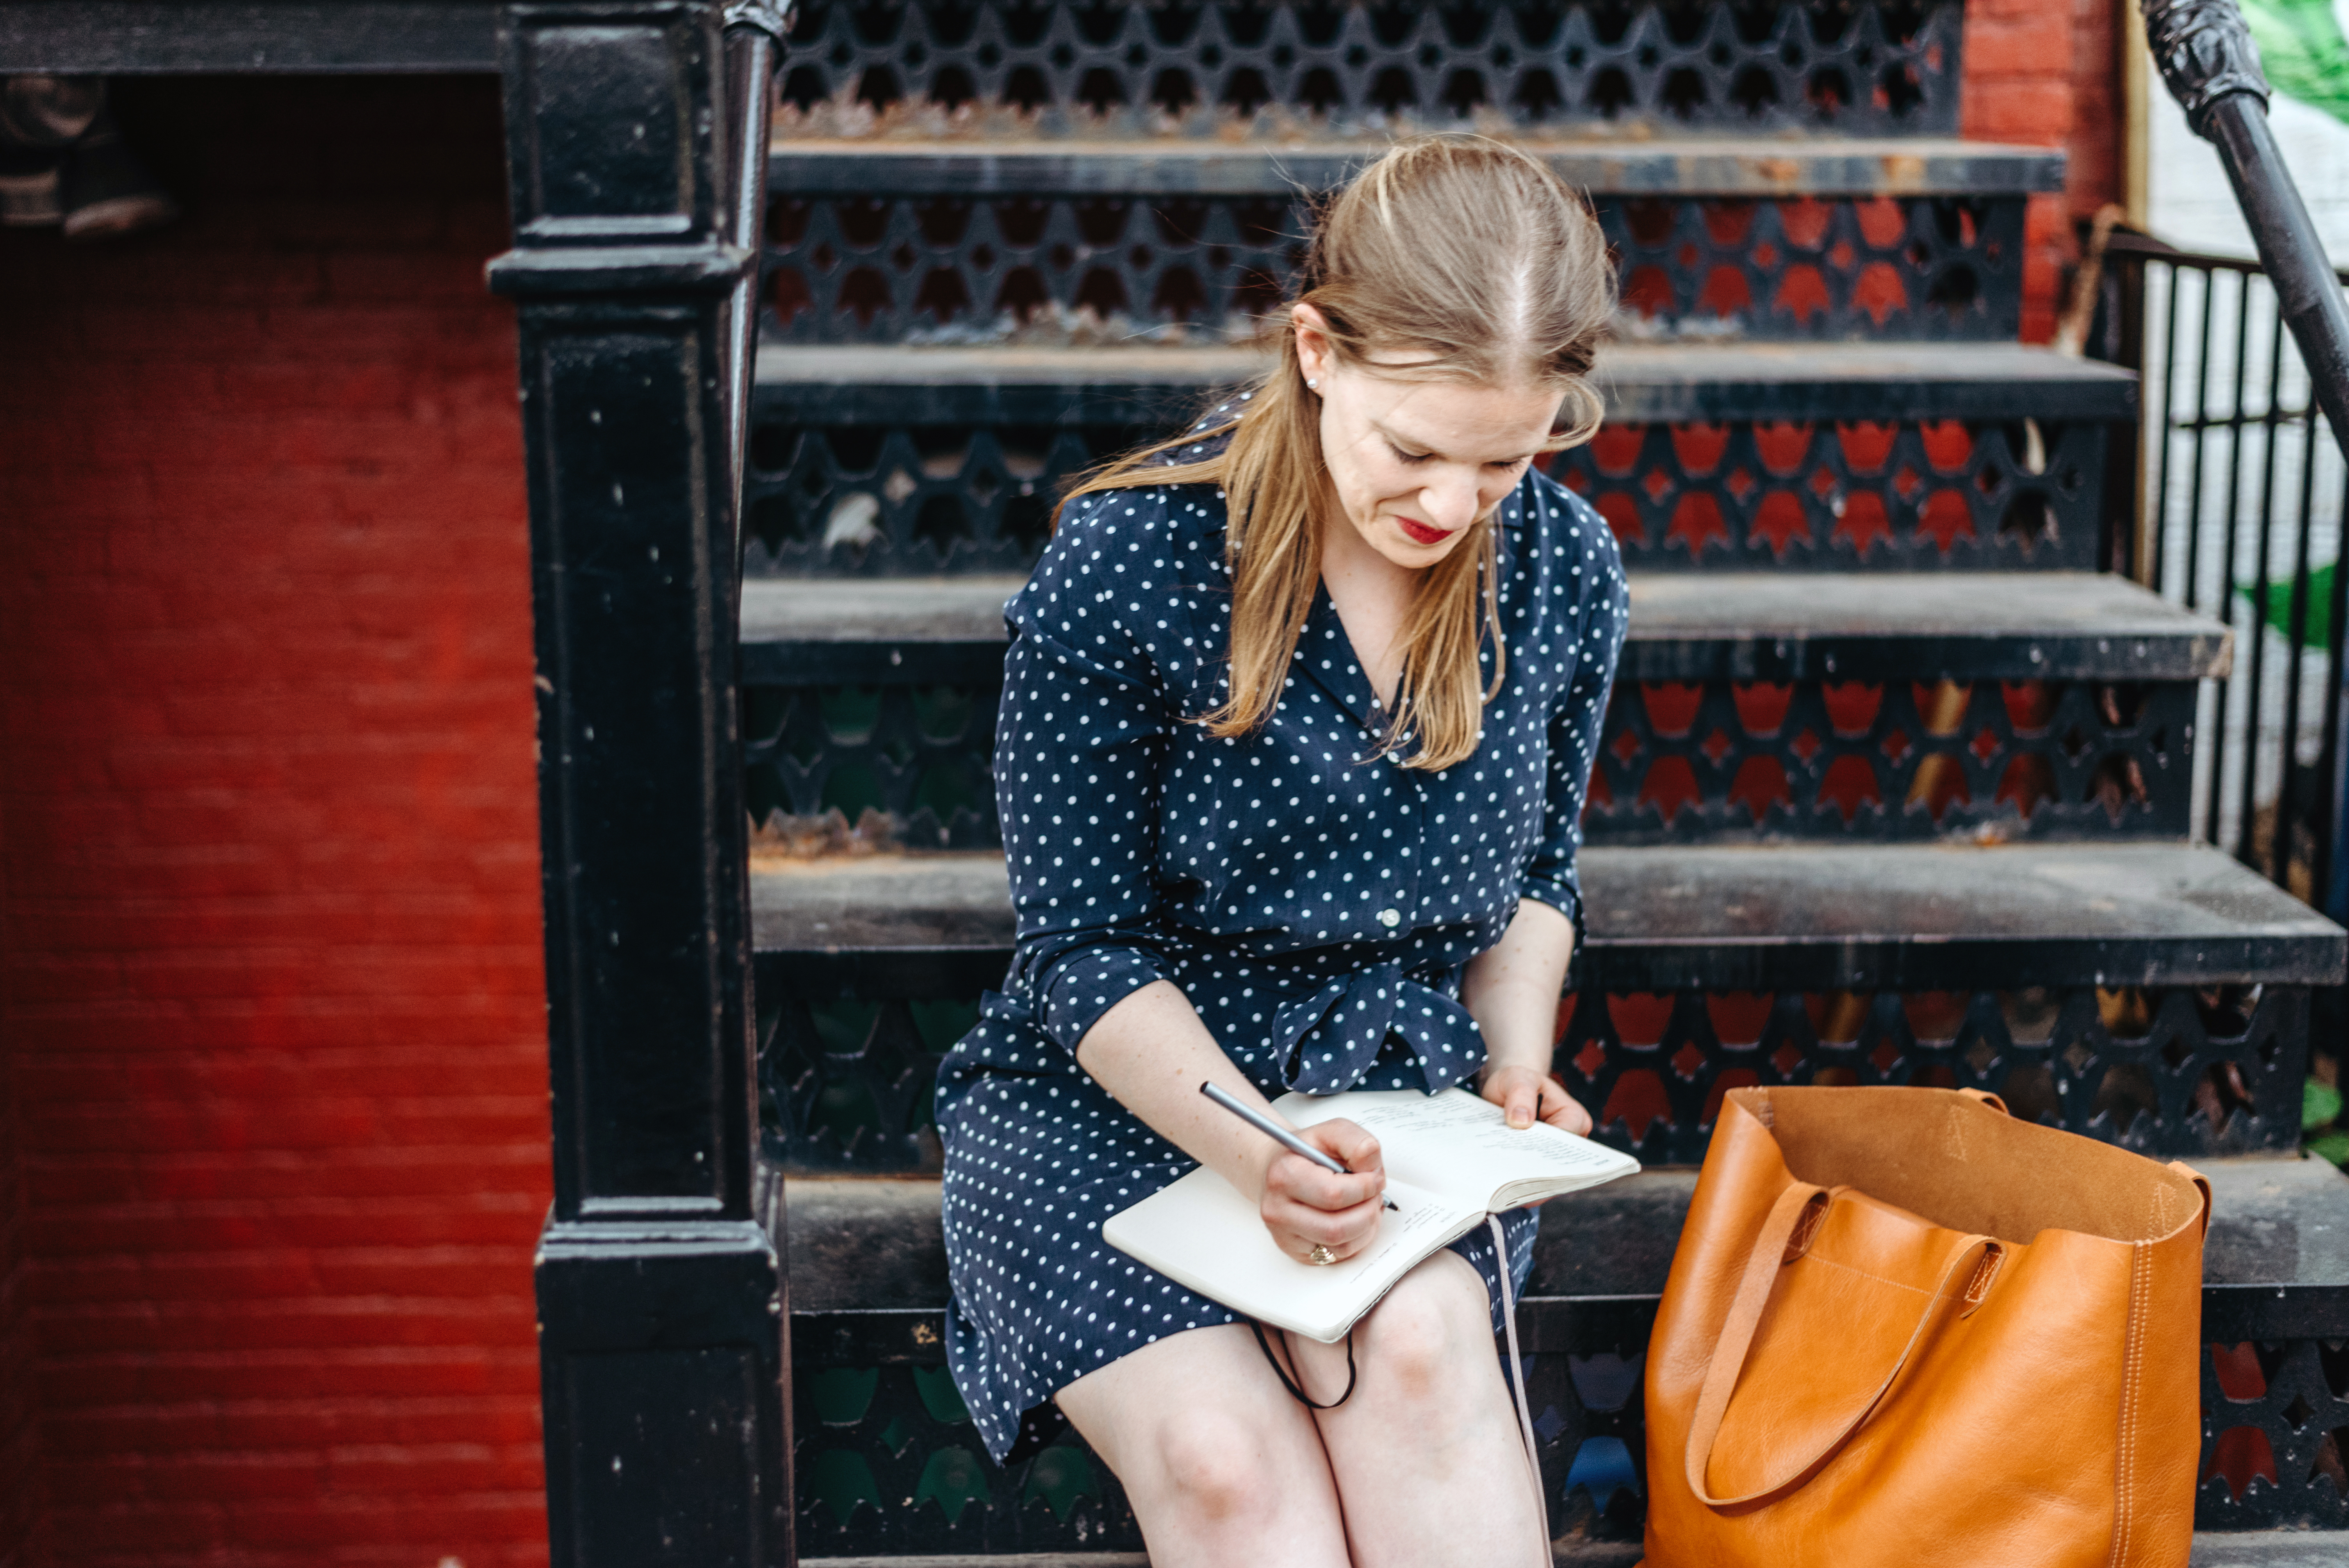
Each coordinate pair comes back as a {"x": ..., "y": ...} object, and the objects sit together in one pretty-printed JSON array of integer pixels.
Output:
[
  {"x": 1083, "y": 725},
  {"x": 1576, "y": 719}
]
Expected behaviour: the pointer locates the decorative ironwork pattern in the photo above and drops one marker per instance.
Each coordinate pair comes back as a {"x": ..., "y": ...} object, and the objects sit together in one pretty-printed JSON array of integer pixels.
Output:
[
  {"x": 2275, "y": 1436},
  {"x": 1722, "y": 760},
  {"x": 888, "y": 1463},
  {"x": 921, "y": 500},
  {"x": 2174, "y": 1072},
  {"x": 898, "y": 500},
  {"x": 951, "y": 268},
  {"x": 845, "y": 1069},
  {"x": 894, "y": 767},
  {"x": 1095, "y": 67},
  {"x": 1956, "y": 495}
]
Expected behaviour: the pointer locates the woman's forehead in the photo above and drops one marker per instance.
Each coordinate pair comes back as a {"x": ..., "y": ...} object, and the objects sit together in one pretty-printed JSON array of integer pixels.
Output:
[{"x": 1468, "y": 418}]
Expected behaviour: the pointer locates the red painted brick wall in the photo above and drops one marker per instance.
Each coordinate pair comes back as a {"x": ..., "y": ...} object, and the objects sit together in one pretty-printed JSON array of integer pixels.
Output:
[
  {"x": 270, "y": 977},
  {"x": 2046, "y": 75}
]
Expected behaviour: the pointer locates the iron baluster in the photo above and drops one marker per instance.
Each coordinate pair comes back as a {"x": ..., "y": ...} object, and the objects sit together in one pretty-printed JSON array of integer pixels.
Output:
[
  {"x": 2164, "y": 424},
  {"x": 2201, "y": 436},
  {"x": 2224, "y": 603},
  {"x": 2328, "y": 883},
  {"x": 2255, "y": 623}
]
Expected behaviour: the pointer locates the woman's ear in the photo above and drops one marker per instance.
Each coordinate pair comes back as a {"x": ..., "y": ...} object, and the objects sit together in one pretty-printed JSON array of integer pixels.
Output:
[{"x": 1313, "y": 355}]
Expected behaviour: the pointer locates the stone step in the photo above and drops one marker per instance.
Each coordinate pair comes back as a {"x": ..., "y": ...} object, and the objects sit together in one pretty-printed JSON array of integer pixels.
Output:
[
  {"x": 2157, "y": 995},
  {"x": 891, "y": 460},
  {"x": 1289, "y": 71},
  {"x": 868, "y": 1280},
  {"x": 1750, "y": 707},
  {"x": 1744, "y": 626},
  {"x": 1721, "y": 167},
  {"x": 2212, "y": 1549}
]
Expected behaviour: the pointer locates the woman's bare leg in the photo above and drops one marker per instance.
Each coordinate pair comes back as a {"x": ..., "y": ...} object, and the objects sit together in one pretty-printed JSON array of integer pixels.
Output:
[
  {"x": 1430, "y": 1468},
  {"x": 1223, "y": 1468}
]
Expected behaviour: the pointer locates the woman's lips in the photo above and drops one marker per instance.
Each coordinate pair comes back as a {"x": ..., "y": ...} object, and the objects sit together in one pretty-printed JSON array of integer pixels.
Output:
[{"x": 1420, "y": 533}]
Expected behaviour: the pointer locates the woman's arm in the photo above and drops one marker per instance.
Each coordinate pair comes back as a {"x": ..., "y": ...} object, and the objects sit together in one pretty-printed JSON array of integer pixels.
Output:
[
  {"x": 1152, "y": 1052},
  {"x": 1511, "y": 989}
]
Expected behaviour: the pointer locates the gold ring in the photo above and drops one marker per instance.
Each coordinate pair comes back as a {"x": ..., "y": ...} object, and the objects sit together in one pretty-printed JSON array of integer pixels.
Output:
[{"x": 1320, "y": 1254}]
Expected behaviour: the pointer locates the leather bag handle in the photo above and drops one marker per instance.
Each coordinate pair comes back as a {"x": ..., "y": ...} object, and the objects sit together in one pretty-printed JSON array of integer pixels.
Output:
[
  {"x": 1986, "y": 1097},
  {"x": 1770, "y": 1254}
]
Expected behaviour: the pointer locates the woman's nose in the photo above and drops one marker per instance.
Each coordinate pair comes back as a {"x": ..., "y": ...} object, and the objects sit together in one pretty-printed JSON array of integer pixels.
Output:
[{"x": 1450, "y": 502}]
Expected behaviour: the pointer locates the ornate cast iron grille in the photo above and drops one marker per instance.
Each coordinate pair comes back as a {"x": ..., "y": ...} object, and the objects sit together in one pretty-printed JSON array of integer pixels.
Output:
[
  {"x": 909, "y": 767},
  {"x": 1093, "y": 67},
  {"x": 839, "y": 767},
  {"x": 1722, "y": 760},
  {"x": 2171, "y": 1071},
  {"x": 946, "y": 268},
  {"x": 1966, "y": 496},
  {"x": 922, "y": 499},
  {"x": 889, "y": 1463},
  {"x": 912, "y": 500},
  {"x": 846, "y": 1059}
]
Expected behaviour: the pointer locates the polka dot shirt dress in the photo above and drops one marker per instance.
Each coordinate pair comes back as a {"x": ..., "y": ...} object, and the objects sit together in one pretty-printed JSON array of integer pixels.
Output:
[{"x": 1316, "y": 901}]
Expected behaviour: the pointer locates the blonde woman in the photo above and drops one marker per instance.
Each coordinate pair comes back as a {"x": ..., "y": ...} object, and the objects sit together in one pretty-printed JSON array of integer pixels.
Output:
[{"x": 1296, "y": 721}]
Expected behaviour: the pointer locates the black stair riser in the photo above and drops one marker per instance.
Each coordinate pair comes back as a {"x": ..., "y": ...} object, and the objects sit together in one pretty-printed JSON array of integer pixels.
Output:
[
  {"x": 876, "y": 1420},
  {"x": 849, "y": 1044},
  {"x": 1943, "y": 495},
  {"x": 950, "y": 267},
  {"x": 1713, "y": 761},
  {"x": 1066, "y": 66}
]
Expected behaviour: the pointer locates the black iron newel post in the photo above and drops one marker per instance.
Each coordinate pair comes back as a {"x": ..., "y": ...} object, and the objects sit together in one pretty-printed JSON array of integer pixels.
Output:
[
  {"x": 2206, "y": 56},
  {"x": 662, "y": 1313}
]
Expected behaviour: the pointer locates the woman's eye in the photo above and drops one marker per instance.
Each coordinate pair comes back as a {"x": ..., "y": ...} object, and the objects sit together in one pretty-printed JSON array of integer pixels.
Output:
[
  {"x": 1403, "y": 457},
  {"x": 1510, "y": 463}
]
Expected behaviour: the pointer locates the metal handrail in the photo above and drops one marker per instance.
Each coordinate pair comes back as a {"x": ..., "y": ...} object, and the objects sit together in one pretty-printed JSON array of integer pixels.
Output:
[{"x": 2212, "y": 69}]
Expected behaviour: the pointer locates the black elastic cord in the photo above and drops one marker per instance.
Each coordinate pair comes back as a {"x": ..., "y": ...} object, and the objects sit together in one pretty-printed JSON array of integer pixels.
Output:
[{"x": 1282, "y": 1373}]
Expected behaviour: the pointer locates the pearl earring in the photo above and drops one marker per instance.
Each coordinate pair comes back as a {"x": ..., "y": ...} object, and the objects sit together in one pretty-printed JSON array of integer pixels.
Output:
[{"x": 1312, "y": 386}]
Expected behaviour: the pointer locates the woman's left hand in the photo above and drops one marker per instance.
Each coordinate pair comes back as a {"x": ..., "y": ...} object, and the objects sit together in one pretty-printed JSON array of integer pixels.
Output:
[{"x": 1527, "y": 1096}]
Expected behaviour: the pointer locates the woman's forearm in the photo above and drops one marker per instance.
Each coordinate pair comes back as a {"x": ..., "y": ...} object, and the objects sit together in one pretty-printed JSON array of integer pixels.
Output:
[
  {"x": 1152, "y": 1052},
  {"x": 1512, "y": 988}
]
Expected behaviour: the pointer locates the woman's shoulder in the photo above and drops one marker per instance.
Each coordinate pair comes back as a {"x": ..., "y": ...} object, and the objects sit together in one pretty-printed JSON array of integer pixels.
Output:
[
  {"x": 1563, "y": 547},
  {"x": 1112, "y": 549}
]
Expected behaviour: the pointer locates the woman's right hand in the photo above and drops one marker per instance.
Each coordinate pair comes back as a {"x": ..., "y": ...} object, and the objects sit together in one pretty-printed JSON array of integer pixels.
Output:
[{"x": 1305, "y": 1205}]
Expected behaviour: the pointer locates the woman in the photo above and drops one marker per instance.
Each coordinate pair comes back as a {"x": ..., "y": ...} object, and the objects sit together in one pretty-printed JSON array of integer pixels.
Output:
[{"x": 1297, "y": 721}]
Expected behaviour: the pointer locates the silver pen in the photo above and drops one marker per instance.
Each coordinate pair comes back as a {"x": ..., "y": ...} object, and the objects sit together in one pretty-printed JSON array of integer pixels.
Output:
[{"x": 1277, "y": 1133}]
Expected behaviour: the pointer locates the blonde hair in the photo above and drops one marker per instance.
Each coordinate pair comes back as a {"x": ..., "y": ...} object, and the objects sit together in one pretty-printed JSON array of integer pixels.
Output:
[{"x": 1482, "y": 265}]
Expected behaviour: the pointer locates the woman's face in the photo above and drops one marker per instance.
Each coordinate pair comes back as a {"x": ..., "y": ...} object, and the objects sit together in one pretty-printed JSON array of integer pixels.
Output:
[{"x": 1413, "y": 464}]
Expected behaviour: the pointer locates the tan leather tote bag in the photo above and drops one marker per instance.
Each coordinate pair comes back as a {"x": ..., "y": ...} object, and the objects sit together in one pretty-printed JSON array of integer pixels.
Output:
[{"x": 1904, "y": 1328}]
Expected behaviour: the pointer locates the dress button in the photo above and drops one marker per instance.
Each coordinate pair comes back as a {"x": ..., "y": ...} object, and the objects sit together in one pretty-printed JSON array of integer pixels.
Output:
[{"x": 1389, "y": 918}]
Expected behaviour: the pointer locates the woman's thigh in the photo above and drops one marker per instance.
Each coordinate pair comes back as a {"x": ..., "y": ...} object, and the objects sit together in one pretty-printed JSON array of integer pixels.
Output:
[{"x": 1217, "y": 1460}]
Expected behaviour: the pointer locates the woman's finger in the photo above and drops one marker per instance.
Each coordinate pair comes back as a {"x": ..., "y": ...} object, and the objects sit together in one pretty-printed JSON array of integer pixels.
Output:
[
  {"x": 1562, "y": 1111},
  {"x": 1342, "y": 1231},
  {"x": 1297, "y": 1178}
]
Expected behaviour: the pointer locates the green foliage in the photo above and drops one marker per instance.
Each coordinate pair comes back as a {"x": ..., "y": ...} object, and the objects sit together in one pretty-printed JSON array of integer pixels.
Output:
[
  {"x": 2302, "y": 48},
  {"x": 2320, "y": 1122},
  {"x": 2316, "y": 632}
]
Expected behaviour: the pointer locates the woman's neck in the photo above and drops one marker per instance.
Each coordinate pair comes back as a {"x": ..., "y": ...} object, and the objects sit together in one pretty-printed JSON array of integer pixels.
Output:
[{"x": 1373, "y": 597}]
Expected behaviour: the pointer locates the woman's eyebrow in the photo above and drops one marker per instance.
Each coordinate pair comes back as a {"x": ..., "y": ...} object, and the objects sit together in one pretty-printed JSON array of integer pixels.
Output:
[{"x": 1426, "y": 448}]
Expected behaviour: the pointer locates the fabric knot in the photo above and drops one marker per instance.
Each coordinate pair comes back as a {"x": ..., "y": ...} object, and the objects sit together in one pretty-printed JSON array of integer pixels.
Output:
[{"x": 1326, "y": 1041}]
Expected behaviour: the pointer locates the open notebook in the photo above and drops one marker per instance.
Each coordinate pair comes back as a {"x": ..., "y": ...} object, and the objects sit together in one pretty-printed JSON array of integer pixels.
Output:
[{"x": 1451, "y": 1159}]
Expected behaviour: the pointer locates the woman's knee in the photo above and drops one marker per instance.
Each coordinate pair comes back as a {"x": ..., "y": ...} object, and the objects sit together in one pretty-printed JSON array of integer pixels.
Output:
[
  {"x": 1419, "y": 1339},
  {"x": 1218, "y": 1466}
]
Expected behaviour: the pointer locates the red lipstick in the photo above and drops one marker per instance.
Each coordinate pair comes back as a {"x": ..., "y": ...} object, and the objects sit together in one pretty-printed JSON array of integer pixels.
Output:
[{"x": 1420, "y": 533}]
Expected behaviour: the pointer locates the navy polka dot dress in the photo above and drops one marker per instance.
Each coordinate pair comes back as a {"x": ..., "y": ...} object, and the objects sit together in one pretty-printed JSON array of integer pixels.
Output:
[{"x": 1316, "y": 907}]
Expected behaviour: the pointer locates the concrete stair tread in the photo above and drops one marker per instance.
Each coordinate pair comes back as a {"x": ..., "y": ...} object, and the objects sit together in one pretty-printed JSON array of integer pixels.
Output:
[
  {"x": 1773, "y": 917},
  {"x": 873, "y": 1244},
  {"x": 1740, "y": 625},
  {"x": 2212, "y": 1549},
  {"x": 1706, "y": 165},
  {"x": 843, "y": 383}
]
